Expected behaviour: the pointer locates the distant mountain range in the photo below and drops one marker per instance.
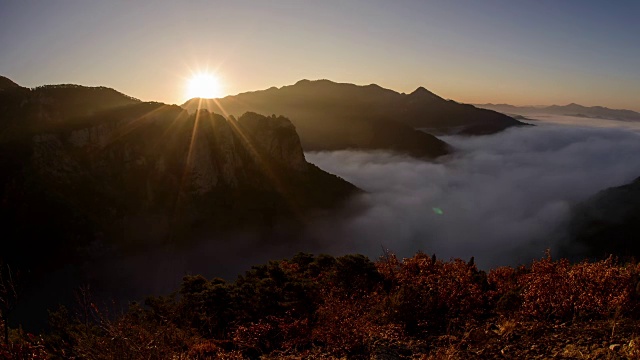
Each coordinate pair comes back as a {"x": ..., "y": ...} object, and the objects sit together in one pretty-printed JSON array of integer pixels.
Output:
[
  {"x": 596, "y": 112},
  {"x": 331, "y": 116}
]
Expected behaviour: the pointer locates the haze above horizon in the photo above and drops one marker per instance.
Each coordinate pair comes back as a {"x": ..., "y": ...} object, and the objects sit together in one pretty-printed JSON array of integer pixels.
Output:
[{"x": 543, "y": 52}]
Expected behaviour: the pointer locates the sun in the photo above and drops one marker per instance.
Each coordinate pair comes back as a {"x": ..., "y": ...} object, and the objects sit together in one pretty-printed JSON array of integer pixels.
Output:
[{"x": 204, "y": 85}]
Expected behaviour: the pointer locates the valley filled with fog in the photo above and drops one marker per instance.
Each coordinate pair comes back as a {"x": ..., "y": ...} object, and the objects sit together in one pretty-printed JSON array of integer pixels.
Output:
[{"x": 502, "y": 198}]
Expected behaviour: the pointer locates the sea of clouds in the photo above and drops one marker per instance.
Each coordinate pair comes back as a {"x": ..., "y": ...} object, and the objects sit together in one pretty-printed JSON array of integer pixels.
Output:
[{"x": 503, "y": 198}]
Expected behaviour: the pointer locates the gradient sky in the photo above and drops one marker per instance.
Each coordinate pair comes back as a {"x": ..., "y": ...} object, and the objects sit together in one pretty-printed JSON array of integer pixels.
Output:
[{"x": 535, "y": 52}]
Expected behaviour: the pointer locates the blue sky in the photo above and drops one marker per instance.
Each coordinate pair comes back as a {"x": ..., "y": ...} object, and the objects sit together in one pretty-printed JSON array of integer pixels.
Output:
[{"x": 534, "y": 52}]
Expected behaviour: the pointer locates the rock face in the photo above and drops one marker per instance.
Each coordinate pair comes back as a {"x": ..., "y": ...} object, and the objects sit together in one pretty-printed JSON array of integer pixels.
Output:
[
  {"x": 137, "y": 174},
  {"x": 277, "y": 136},
  {"x": 608, "y": 223},
  {"x": 331, "y": 116}
]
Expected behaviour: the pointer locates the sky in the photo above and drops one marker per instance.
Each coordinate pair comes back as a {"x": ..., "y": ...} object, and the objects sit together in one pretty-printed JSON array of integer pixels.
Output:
[{"x": 518, "y": 52}]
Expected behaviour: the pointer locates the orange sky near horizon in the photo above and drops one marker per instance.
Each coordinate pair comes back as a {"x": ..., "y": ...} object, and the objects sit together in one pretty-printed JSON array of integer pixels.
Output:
[{"x": 498, "y": 51}]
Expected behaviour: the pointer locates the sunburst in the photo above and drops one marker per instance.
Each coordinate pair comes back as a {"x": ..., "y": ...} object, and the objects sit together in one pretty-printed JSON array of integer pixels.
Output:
[{"x": 204, "y": 85}]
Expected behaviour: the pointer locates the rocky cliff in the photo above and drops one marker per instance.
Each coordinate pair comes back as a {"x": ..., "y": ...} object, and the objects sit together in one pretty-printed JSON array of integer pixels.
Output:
[{"x": 138, "y": 174}]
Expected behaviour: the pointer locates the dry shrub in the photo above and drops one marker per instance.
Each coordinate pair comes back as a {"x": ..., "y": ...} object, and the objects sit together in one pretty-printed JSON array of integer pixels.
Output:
[
  {"x": 559, "y": 290},
  {"x": 429, "y": 294},
  {"x": 209, "y": 349},
  {"x": 24, "y": 346},
  {"x": 348, "y": 326}
]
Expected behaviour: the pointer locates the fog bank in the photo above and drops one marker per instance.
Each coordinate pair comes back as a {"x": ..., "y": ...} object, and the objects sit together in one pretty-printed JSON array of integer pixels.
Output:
[{"x": 503, "y": 198}]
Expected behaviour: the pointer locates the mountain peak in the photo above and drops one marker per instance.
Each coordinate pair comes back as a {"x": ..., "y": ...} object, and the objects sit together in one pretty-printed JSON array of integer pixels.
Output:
[{"x": 422, "y": 92}]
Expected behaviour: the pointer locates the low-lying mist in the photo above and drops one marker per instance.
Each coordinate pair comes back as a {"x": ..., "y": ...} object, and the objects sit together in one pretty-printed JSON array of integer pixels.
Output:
[{"x": 503, "y": 198}]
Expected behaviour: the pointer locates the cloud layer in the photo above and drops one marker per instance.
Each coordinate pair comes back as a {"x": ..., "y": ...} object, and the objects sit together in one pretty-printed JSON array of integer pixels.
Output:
[{"x": 503, "y": 198}]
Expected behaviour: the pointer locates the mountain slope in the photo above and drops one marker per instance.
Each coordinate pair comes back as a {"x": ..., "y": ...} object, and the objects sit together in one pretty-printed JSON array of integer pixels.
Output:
[
  {"x": 39, "y": 109},
  {"x": 7, "y": 84},
  {"x": 147, "y": 173},
  {"x": 609, "y": 222},
  {"x": 332, "y": 116}
]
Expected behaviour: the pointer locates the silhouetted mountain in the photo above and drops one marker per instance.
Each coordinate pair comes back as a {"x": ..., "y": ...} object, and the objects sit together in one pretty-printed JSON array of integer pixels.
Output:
[
  {"x": 38, "y": 109},
  {"x": 7, "y": 84},
  {"x": 609, "y": 223},
  {"x": 596, "y": 112},
  {"x": 332, "y": 116},
  {"x": 150, "y": 163},
  {"x": 122, "y": 179}
]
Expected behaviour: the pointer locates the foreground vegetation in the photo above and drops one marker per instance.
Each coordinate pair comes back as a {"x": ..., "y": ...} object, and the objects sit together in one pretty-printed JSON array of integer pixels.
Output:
[{"x": 350, "y": 307}]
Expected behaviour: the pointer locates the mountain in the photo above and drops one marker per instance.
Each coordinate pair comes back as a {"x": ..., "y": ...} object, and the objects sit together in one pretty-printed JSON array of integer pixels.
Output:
[
  {"x": 595, "y": 112},
  {"x": 331, "y": 116},
  {"x": 25, "y": 110},
  {"x": 114, "y": 169},
  {"x": 608, "y": 223},
  {"x": 88, "y": 174}
]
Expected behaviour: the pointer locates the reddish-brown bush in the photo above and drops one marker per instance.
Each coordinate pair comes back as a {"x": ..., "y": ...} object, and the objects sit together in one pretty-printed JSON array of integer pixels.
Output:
[
  {"x": 560, "y": 290},
  {"x": 349, "y": 306}
]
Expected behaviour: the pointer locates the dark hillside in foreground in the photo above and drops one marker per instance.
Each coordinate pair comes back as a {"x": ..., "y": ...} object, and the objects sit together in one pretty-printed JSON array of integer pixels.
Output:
[
  {"x": 319, "y": 307},
  {"x": 331, "y": 116}
]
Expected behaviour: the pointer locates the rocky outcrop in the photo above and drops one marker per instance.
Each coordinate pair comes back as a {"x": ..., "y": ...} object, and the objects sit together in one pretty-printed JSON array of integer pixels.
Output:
[
  {"x": 202, "y": 152},
  {"x": 277, "y": 136}
]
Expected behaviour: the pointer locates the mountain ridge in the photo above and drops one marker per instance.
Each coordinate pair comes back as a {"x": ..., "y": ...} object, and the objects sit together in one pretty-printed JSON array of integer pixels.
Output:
[{"x": 334, "y": 116}]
